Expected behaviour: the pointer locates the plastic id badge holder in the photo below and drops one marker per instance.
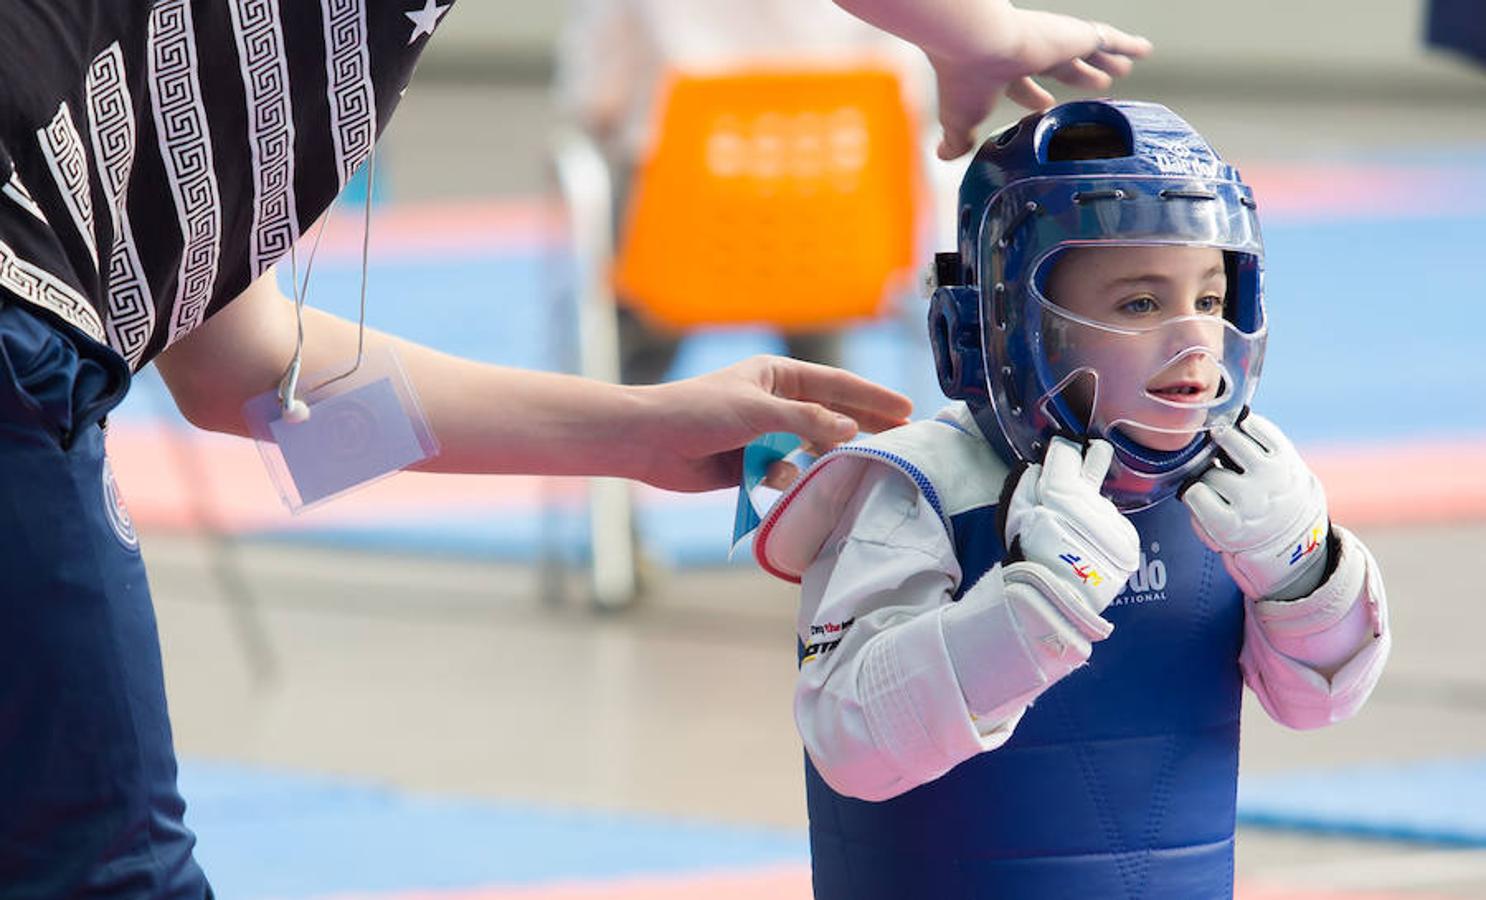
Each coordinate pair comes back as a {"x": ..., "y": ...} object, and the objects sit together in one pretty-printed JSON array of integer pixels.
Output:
[
  {"x": 758, "y": 490},
  {"x": 364, "y": 425}
]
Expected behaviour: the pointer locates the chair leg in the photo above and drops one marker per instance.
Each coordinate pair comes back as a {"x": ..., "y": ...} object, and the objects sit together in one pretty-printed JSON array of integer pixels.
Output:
[
  {"x": 585, "y": 181},
  {"x": 614, "y": 582}
]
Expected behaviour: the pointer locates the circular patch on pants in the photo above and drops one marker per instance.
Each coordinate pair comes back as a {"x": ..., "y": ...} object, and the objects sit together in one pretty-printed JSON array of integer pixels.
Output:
[{"x": 113, "y": 509}]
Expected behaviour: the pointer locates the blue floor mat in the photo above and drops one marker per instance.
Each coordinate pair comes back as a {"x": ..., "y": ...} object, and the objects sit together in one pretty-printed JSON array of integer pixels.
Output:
[
  {"x": 1438, "y": 801},
  {"x": 265, "y": 833},
  {"x": 268, "y": 833}
]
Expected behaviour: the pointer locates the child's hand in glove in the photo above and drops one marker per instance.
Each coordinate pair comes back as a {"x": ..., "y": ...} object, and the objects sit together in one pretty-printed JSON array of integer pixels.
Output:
[
  {"x": 1054, "y": 514},
  {"x": 1264, "y": 511}
]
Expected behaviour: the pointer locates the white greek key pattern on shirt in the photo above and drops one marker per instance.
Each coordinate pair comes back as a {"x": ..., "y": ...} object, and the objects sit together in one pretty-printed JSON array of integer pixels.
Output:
[
  {"x": 36, "y": 285},
  {"x": 353, "y": 108},
  {"x": 63, "y": 151},
  {"x": 186, "y": 149},
  {"x": 16, "y": 191},
  {"x": 259, "y": 33},
  {"x": 130, "y": 317}
]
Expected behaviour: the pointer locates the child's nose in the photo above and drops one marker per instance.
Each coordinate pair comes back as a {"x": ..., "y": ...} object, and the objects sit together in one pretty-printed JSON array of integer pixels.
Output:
[{"x": 1194, "y": 330}]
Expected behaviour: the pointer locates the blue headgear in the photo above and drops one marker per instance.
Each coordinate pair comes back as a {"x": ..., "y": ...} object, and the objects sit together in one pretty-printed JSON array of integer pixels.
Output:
[{"x": 1003, "y": 347}]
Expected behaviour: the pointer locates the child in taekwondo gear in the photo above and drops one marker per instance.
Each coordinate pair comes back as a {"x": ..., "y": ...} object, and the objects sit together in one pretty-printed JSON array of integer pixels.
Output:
[{"x": 1026, "y": 623}]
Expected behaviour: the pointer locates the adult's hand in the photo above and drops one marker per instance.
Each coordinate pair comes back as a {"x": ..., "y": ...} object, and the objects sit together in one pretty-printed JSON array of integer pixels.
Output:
[
  {"x": 1081, "y": 54},
  {"x": 692, "y": 432},
  {"x": 981, "y": 49}
]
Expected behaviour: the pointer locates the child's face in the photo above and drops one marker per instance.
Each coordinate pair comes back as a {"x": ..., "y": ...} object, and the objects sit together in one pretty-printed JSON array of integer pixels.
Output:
[{"x": 1156, "y": 377}]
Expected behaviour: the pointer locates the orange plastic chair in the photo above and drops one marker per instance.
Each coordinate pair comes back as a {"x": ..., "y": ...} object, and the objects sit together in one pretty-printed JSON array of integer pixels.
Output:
[{"x": 784, "y": 198}]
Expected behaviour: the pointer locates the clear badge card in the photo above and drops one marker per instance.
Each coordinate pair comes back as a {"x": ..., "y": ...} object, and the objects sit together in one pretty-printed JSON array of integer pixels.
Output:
[
  {"x": 755, "y": 494},
  {"x": 365, "y": 423}
]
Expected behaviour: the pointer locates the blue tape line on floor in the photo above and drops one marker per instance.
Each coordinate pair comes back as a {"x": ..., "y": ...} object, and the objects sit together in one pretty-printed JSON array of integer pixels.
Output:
[
  {"x": 1438, "y": 801},
  {"x": 285, "y": 835}
]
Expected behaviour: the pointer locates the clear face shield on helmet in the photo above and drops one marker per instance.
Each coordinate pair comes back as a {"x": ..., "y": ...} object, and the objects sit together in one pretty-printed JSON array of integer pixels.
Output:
[
  {"x": 1158, "y": 379},
  {"x": 1140, "y": 320}
]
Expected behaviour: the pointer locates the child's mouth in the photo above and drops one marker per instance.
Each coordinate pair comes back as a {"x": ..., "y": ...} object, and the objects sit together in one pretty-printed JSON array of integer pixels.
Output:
[{"x": 1180, "y": 392}]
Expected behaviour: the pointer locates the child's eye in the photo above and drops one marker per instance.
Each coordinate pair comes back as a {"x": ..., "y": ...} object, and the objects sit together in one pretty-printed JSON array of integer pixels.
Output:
[
  {"x": 1139, "y": 306},
  {"x": 1211, "y": 305}
]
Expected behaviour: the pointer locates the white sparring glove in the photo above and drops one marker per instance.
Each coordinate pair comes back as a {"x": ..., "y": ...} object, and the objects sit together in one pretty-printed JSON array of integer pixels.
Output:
[
  {"x": 1057, "y": 518},
  {"x": 1264, "y": 511}
]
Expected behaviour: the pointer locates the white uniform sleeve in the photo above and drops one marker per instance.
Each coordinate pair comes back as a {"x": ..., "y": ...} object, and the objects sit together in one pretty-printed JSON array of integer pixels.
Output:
[
  {"x": 1315, "y": 660},
  {"x": 898, "y": 684}
]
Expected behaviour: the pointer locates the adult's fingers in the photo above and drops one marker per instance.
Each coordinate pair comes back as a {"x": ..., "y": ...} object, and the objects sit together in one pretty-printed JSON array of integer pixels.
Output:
[
  {"x": 964, "y": 102},
  {"x": 1028, "y": 94},
  {"x": 1050, "y": 39},
  {"x": 1110, "y": 39},
  {"x": 811, "y": 421},
  {"x": 874, "y": 407},
  {"x": 954, "y": 144},
  {"x": 1113, "y": 63},
  {"x": 780, "y": 474},
  {"x": 1079, "y": 74}
]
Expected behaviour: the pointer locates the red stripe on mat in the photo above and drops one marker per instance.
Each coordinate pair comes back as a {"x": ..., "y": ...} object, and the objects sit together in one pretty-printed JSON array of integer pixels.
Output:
[
  {"x": 1398, "y": 484},
  {"x": 1311, "y": 191},
  {"x": 780, "y": 883},
  {"x": 441, "y": 230},
  {"x": 228, "y": 487},
  {"x": 1412, "y": 483}
]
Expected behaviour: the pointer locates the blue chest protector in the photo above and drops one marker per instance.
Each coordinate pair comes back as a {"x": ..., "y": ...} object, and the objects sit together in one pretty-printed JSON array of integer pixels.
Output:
[{"x": 1119, "y": 782}]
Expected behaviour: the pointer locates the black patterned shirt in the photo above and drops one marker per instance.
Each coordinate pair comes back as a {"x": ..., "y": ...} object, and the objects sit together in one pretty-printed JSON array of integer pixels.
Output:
[{"x": 156, "y": 157}]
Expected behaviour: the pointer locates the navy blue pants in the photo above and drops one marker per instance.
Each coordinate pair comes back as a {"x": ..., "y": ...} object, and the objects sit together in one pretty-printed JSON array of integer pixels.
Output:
[
  {"x": 1458, "y": 25},
  {"x": 88, "y": 799}
]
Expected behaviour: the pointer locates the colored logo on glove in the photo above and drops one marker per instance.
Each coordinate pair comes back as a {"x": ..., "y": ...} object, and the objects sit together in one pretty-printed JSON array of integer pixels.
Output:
[
  {"x": 1084, "y": 571},
  {"x": 1307, "y": 546}
]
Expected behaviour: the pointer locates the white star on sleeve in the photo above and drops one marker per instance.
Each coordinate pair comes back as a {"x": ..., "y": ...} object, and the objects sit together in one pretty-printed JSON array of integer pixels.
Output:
[{"x": 425, "y": 20}]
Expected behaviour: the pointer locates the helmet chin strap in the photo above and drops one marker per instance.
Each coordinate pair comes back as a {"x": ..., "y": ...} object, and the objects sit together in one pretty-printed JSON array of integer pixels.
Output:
[
  {"x": 1143, "y": 459},
  {"x": 1140, "y": 477}
]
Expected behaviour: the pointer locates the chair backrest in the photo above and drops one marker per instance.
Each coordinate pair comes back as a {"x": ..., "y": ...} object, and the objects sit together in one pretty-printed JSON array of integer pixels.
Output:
[{"x": 786, "y": 198}]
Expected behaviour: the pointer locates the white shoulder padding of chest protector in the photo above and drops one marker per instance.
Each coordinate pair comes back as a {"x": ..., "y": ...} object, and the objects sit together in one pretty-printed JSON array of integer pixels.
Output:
[{"x": 946, "y": 457}]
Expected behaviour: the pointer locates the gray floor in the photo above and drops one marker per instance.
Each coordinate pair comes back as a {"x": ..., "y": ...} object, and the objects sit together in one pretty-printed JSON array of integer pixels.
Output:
[{"x": 452, "y": 676}]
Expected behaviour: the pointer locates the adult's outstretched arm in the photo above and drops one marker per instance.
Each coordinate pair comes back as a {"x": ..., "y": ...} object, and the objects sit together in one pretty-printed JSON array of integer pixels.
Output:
[
  {"x": 981, "y": 49},
  {"x": 684, "y": 436}
]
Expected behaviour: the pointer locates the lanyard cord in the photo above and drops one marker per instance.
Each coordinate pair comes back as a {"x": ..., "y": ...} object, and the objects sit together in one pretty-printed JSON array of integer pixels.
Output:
[{"x": 290, "y": 383}]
